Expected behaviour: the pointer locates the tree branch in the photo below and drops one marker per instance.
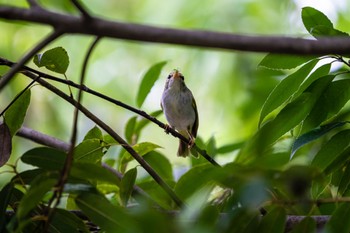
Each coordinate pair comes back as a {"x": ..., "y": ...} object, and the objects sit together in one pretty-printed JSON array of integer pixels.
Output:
[
  {"x": 116, "y": 102},
  {"x": 208, "y": 39},
  {"x": 114, "y": 135}
]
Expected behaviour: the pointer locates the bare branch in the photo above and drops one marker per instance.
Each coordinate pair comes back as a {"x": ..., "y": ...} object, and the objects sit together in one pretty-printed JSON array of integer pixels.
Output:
[
  {"x": 42, "y": 139},
  {"x": 116, "y": 102},
  {"x": 207, "y": 39}
]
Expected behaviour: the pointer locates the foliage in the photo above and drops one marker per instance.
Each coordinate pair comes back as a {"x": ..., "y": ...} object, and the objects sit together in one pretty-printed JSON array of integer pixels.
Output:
[{"x": 304, "y": 117}]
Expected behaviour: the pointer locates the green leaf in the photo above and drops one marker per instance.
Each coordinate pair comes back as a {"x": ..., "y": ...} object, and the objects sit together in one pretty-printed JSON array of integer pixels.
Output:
[
  {"x": 229, "y": 147},
  {"x": 160, "y": 164},
  {"x": 107, "y": 216},
  {"x": 318, "y": 23},
  {"x": 331, "y": 101},
  {"x": 130, "y": 129},
  {"x": 332, "y": 149},
  {"x": 45, "y": 157},
  {"x": 89, "y": 150},
  {"x": 55, "y": 59},
  {"x": 93, "y": 173},
  {"x": 283, "y": 91},
  {"x": 283, "y": 61},
  {"x": 193, "y": 180},
  {"x": 339, "y": 220},
  {"x": 321, "y": 71},
  {"x": 274, "y": 221},
  {"x": 27, "y": 176},
  {"x": 144, "y": 122},
  {"x": 157, "y": 194},
  {"x": 5, "y": 144},
  {"x": 307, "y": 225},
  {"x": 141, "y": 148},
  {"x": 313, "y": 135},
  {"x": 65, "y": 221},
  {"x": 127, "y": 185},
  {"x": 148, "y": 81},
  {"x": 38, "y": 188},
  {"x": 5, "y": 196},
  {"x": 94, "y": 133},
  {"x": 14, "y": 116},
  {"x": 345, "y": 181}
]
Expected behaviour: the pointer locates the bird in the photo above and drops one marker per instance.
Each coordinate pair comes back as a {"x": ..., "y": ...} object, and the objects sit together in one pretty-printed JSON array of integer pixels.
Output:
[{"x": 180, "y": 110}]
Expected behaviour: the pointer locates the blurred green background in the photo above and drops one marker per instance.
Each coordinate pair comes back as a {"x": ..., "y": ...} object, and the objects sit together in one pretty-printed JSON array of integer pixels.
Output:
[{"x": 228, "y": 86}]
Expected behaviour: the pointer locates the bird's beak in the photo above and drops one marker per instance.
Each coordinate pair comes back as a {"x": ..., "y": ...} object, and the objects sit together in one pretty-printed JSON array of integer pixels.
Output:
[{"x": 176, "y": 74}]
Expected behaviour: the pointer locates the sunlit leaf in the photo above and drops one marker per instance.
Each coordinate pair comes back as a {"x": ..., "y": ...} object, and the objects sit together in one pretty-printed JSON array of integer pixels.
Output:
[
  {"x": 130, "y": 129},
  {"x": 107, "y": 216},
  {"x": 38, "y": 188},
  {"x": 148, "y": 81},
  {"x": 127, "y": 185},
  {"x": 285, "y": 89},
  {"x": 55, "y": 59},
  {"x": 193, "y": 180},
  {"x": 140, "y": 148},
  {"x": 89, "y": 150},
  {"x": 14, "y": 116},
  {"x": 318, "y": 23},
  {"x": 160, "y": 164},
  {"x": 5, "y": 144},
  {"x": 313, "y": 135},
  {"x": 339, "y": 220},
  {"x": 332, "y": 149},
  {"x": 157, "y": 194},
  {"x": 283, "y": 61},
  {"x": 94, "y": 133}
]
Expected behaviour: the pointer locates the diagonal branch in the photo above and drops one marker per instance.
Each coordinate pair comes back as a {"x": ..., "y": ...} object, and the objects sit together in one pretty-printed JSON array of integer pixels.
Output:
[
  {"x": 207, "y": 39},
  {"x": 116, "y": 102},
  {"x": 113, "y": 134}
]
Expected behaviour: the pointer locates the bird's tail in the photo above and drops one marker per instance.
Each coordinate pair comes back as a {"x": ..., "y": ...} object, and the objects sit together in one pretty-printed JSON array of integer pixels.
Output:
[{"x": 183, "y": 150}]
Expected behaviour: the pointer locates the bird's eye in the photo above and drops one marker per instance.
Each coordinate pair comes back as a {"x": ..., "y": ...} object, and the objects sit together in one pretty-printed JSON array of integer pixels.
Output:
[
  {"x": 169, "y": 76},
  {"x": 182, "y": 77}
]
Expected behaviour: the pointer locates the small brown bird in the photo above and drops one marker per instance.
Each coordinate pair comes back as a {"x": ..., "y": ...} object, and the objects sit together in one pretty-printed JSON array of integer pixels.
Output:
[{"x": 180, "y": 110}]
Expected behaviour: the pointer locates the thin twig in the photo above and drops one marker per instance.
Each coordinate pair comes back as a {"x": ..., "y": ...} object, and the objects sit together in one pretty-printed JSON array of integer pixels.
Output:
[
  {"x": 114, "y": 135},
  {"x": 69, "y": 159},
  {"x": 207, "y": 39},
  {"x": 17, "y": 67},
  {"x": 118, "y": 103},
  {"x": 17, "y": 96},
  {"x": 83, "y": 11}
]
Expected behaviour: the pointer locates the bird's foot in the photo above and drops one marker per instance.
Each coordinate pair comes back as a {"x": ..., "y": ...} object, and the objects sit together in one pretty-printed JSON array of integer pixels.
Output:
[{"x": 167, "y": 128}]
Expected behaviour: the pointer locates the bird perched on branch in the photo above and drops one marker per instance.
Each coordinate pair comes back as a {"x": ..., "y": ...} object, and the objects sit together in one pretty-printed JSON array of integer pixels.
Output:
[{"x": 180, "y": 110}]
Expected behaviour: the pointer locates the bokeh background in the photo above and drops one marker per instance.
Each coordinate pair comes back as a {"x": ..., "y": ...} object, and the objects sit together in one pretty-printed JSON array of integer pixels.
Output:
[{"x": 229, "y": 87}]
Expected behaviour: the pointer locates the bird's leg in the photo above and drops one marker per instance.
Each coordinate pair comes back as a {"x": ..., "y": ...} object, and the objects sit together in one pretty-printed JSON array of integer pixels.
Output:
[{"x": 191, "y": 140}]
